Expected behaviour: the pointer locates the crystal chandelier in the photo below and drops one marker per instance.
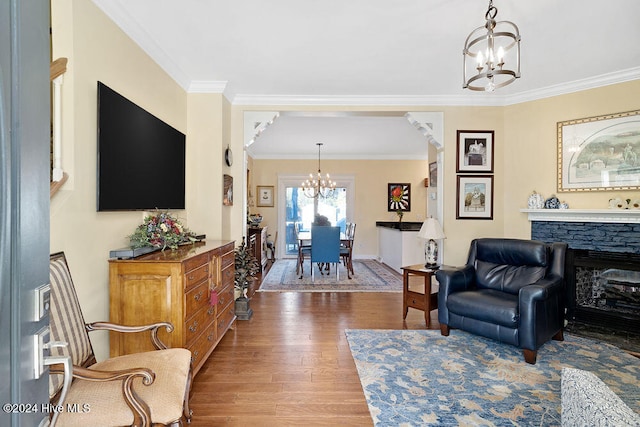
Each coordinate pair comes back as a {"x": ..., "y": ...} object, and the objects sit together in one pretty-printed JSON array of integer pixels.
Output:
[
  {"x": 318, "y": 186},
  {"x": 491, "y": 55}
]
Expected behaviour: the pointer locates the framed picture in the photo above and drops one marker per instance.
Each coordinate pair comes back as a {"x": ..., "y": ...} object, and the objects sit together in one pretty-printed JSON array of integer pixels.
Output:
[
  {"x": 599, "y": 153},
  {"x": 227, "y": 190},
  {"x": 433, "y": 174},
  {"x": 474, "y": 197},
  {"x": 265, "y": 196},
  {"x": 475, "y": 151},
  {"x": 399, "y": 197}
]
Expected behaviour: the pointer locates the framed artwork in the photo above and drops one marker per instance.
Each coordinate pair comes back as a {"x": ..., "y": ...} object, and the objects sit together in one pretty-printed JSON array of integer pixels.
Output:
[
  {"x": 399, "y": 197},
  {"x": 475, "y": 151},
  {"x": 265, "y": 196},
  {"x": 227, "y": 190},
  {"x": 433, "y": 174},
  {"x": 474, "y": 197},
  {"x": 599, "y": 153}
]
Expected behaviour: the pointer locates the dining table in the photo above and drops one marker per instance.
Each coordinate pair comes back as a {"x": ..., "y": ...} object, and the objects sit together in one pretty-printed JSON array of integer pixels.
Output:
[{"x": 304, "y": 239}]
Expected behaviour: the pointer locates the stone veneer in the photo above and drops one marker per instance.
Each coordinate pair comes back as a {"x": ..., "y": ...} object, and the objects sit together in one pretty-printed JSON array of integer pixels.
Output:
[{"x": 606, "y": 237}]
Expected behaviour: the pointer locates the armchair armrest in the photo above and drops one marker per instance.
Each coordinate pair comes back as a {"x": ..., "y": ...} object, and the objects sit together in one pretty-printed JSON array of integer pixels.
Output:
[
  {"x": 140, "y": 410},
  {"x": 452, "y": 280},
  {"x": 541, "y": 311},
  {"x": 455, "y": 279},
  {"x": 157, "y": 342}
]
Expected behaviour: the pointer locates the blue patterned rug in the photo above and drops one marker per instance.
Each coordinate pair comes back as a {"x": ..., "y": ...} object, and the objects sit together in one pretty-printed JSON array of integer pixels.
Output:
[
  {"x": 369, "y": 276},
  {"x": 416, "y": 378}
]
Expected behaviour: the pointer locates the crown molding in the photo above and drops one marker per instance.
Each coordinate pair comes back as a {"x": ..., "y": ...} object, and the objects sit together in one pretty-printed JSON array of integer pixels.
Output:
[{"x": 470, "y": 99}]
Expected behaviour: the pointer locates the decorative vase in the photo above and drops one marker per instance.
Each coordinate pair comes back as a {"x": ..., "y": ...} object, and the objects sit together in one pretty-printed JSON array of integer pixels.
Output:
[
  {"x": 536, "y": 201},
  {"x": 552, "y": 202}
]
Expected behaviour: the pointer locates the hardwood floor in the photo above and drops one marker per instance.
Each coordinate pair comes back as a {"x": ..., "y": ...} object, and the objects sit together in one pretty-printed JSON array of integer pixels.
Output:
[{"x": 290, "y": 364}]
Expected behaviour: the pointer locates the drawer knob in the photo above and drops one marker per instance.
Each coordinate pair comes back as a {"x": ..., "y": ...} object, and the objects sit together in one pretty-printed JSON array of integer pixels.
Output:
[
  {"x": 211, "y": 310},
  {"x": 210, "y": 337},
  {"x": 194, "y": 327},
  {"x": 197, "y": 296}
]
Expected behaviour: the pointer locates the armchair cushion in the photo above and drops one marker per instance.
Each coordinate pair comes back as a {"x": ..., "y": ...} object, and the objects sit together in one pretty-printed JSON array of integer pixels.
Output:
[
  {"x": 504, "y": 306},
  {"x": 104, "y": 399}
]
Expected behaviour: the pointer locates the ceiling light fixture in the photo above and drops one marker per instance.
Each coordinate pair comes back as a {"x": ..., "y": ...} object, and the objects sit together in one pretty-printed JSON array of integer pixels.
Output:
[
  {"x": 318, "y": 186},
  {"x": 489, "y": 57}
]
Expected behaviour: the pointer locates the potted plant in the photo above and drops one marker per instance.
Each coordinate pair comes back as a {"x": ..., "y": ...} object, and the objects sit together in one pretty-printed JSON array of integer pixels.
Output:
[{"x": 247, "y": 267}]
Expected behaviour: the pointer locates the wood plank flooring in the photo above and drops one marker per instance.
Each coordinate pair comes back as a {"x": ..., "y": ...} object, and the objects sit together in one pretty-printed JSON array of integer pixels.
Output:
[{"x": 290, "y": 364}]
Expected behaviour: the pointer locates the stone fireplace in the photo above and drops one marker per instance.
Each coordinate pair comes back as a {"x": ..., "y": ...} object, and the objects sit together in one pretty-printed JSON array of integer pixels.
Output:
[{"x": 602, "y": 270}]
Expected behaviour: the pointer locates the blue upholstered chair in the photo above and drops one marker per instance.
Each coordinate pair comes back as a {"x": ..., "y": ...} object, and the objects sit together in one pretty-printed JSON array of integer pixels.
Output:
[
  {"x": 325, "y": 247},
  {"x": 510, "y": 290}
]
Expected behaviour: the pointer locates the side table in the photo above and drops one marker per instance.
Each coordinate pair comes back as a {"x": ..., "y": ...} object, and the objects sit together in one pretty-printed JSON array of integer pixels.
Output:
[{"x": 426, "y": 301}]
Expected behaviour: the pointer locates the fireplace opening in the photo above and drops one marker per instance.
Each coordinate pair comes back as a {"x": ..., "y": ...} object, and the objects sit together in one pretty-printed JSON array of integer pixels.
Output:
[{"x": 603, "y": 296}]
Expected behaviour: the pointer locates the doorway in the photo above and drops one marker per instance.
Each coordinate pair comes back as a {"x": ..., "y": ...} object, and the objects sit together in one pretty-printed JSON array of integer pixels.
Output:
[{"x": 298, "y": 208}]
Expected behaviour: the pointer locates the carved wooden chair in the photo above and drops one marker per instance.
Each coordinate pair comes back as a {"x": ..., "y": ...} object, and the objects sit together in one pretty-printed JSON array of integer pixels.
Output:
[{"x": 144, "y": 389}]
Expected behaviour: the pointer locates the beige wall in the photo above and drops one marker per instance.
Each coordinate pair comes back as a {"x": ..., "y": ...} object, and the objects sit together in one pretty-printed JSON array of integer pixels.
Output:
[
  {"x": 98, "y": 50},
  {"x": 530, "y": 151},
  {"x": 371, "y": 179}
]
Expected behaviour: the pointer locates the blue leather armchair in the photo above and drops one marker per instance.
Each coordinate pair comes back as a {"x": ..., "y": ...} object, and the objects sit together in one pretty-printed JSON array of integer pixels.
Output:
[{"x": 510, "y": 290}]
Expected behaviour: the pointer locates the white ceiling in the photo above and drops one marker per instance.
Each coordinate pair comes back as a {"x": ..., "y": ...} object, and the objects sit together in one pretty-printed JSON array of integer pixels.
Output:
[{"x": 375, "y": 52}]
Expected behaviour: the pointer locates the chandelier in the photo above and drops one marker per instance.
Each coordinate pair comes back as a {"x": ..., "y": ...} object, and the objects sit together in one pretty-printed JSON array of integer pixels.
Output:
[
  {"x": 318, "y": 186},
  {"x": 489, "y": 62}
]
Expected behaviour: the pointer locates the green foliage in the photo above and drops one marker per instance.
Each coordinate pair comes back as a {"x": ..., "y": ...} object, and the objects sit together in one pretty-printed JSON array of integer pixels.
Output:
[
  {"x": 160, "y": 230},
  {"x": 247, "y": 267}
]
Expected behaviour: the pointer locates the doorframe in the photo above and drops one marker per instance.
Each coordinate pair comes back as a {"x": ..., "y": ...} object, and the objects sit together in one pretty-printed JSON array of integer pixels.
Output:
[{"x": 347, "y": 181}]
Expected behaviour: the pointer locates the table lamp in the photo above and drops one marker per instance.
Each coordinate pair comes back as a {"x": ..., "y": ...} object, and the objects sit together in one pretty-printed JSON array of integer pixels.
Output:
[{"x": 430, "y": 232}]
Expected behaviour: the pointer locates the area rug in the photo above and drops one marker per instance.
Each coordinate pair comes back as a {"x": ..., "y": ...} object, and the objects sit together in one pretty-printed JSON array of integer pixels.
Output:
[
  {"x": 421, "y": 378},
  {"x": 370, "y": 276}
]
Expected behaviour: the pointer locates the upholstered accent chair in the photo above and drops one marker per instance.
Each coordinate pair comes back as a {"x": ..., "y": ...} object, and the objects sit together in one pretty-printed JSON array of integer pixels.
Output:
[
  {"x": 346, "y": 248},
  {"x": 143, "y": 389},
  {"x": 510, "y": 290}
]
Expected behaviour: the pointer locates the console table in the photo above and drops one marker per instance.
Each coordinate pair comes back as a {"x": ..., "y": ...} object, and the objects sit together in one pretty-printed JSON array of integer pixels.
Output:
[
  {"x": 426, "y": 301},
  {"x": 191, "y": 287}
]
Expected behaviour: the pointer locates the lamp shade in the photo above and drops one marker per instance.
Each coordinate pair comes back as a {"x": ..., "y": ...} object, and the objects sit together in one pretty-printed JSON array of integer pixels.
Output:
[{"x": 431, "y": 229}]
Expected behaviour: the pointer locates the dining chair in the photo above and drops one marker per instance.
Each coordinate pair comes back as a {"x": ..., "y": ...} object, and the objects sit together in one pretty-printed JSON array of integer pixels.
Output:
[
  {"x": 325, "y": 248},
  {"x": 346, "y": 248},
  {"x": 303, "y": 249}
]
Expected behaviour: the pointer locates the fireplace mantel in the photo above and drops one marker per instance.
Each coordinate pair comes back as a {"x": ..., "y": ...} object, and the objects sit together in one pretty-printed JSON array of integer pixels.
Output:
[{"x": 621, "y": 216}]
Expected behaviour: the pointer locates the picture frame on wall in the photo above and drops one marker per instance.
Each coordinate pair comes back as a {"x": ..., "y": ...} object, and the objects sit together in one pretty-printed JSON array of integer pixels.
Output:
[
  {"x": 433, "y": 174},
  {"x": 399, "y": 197},
  {"x": 475, "y": 151},
  {"x": 474, "y": 196},
  {"x": 599, "y": 153},
  {"x": 227, "y": 190},
  {"x": 265, "y": 196}
]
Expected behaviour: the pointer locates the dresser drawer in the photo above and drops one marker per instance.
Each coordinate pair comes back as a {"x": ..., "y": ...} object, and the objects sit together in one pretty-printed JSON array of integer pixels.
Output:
[
  {"x": 197, "y": 298},
  {"x": 228, "y": 276},
  {"x": 225, "y": 297},
  {"x": 197, "y": 323},
  {"x": 196, "y": 261},
  {"x": 228, "y": 259},
  {"x": 196, "y": 276},
  {"x": 224, "y": 320},
  {"x": 200, "y": 347}
]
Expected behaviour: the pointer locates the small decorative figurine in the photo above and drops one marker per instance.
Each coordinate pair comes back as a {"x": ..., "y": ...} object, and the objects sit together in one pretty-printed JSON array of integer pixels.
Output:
[
  {"x": 536, "y": 201},
  {"x": 552, "y": 202}
]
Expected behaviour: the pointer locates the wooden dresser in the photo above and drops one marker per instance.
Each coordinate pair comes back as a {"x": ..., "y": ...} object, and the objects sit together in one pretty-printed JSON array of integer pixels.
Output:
[{"x": 174, "y": 286}]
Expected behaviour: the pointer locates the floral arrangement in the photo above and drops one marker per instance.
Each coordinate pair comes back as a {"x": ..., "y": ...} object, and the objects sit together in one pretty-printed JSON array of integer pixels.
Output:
[{"x": 161, "y": 230}]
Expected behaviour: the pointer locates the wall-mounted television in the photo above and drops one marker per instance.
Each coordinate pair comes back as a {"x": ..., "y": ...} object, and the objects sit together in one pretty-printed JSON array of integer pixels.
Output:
[{"x": 141, "y": 159}]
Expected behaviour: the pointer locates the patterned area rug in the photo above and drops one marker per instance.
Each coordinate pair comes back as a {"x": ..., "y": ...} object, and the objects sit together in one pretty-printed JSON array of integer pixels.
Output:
[
  {"x": 370, "y": 276},
  {"x": 415, "y": 378}
]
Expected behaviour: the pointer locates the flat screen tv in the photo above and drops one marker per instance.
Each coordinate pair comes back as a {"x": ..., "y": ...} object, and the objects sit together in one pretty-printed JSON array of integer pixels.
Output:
[{"x": 141, "y": 159}]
